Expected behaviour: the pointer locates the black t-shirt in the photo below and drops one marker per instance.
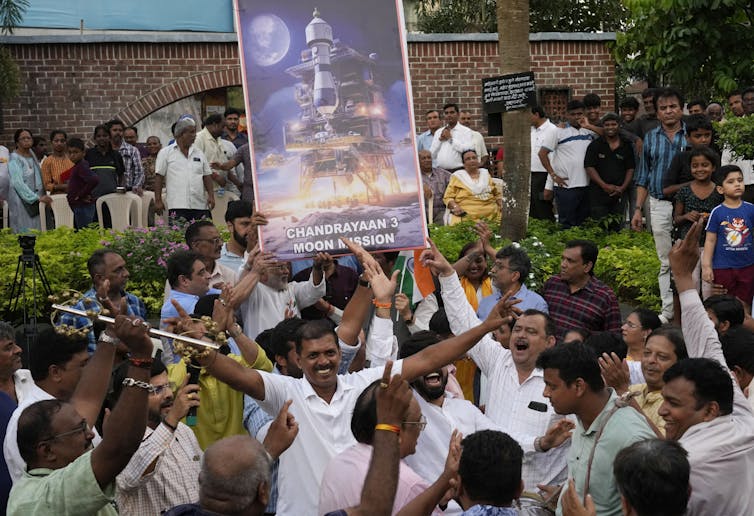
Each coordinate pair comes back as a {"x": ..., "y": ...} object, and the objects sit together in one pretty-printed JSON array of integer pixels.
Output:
[
  {"x": 611, "y": 165},
  {"x": 109, "y": 168}
]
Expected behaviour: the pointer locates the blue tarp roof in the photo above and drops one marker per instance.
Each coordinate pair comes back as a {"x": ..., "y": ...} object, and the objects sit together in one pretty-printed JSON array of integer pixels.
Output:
[{"x": 144, "y": 15}]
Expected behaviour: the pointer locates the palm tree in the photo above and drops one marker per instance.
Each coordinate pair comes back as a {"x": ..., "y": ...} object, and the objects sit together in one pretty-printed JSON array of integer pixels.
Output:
[
  {"x": 11, "y": 14},
  {"x": 513, "y": 34}
]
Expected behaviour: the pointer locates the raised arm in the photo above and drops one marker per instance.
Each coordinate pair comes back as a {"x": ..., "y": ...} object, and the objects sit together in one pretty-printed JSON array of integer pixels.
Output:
[{"x": 124, "y": 428}]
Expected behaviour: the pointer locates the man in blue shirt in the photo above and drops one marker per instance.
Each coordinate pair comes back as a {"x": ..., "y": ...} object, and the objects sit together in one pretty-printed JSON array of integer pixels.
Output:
[
  {"x": 102, "y": 265},
  {"x": 661, "y": 144},
  {"x": 189, "y": 280},
  {"x": 424, "y": 140},
  {"x": 510, "y": 271}
]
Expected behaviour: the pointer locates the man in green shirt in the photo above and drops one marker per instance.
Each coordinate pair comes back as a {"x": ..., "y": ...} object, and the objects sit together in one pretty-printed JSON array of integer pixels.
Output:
[
  {"x": 574, "y": 385},
  {"x": 65, "y": 476}
]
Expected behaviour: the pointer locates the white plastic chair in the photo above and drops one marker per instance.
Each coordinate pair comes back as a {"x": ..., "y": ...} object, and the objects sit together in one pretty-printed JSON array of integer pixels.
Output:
[
  {"x": 221, "y": 206},
  {"x": 123, "y": 210},
  {"x": 147, "y": 198},
  {"x": 137, "y": 219},
  {"x": 61, "y": 210}
]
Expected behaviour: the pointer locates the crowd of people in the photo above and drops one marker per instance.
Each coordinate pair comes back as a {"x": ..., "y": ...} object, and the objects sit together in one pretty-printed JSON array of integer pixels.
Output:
[
  {"x": 115, "y": 161},
  {"x": 321, "y": 390}
]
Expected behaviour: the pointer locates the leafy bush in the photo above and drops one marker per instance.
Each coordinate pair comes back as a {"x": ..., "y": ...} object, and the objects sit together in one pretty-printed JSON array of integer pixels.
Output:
[
  {"x": 737, "y": 134},
  {"x": 627, "y": 261}
]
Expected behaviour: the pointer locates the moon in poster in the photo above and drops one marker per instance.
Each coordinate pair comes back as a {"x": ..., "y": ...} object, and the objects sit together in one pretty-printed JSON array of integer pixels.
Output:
[{"x": 270, "y": 39}]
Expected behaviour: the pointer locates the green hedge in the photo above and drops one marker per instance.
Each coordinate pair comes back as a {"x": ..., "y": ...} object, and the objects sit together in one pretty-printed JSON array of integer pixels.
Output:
[{"x": 627, "y": 260}]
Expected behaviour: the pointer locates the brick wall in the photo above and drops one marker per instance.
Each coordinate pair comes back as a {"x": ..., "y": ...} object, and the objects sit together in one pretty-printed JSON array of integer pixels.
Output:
[
  {"x": 75, "y": 86},
  {"x": 452, "y": 71}
]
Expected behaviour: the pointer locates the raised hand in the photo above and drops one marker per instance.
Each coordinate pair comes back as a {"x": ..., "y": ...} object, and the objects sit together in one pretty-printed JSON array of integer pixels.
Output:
[
  {"x": 437, "y": 263},
  {"x": 615, "y": 372},
  {"x": 282, "y": 432}
]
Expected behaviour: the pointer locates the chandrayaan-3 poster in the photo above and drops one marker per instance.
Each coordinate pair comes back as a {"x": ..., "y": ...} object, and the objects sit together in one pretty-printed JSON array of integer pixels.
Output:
[{"x": 331, "y": 124}]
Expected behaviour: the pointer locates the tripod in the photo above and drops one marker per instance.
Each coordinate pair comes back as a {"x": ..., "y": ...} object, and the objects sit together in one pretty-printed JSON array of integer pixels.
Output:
[{"x": 28, "y": 261}]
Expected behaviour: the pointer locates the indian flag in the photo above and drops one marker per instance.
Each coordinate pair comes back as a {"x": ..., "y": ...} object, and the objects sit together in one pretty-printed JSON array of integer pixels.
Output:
[{"x": 415, "y": 280}]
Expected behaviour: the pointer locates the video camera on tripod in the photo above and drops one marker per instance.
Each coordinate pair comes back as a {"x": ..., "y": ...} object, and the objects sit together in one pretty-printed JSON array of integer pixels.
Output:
[{"x": 28, "y": 260}]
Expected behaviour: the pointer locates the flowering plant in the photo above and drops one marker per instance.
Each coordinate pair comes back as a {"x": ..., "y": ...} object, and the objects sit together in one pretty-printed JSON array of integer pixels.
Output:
[{"x": 146, "y": 250}]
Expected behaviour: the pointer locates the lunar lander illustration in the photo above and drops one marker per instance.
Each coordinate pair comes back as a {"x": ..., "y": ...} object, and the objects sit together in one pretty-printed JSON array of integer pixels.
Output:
[{"x": 341, "y": 129}]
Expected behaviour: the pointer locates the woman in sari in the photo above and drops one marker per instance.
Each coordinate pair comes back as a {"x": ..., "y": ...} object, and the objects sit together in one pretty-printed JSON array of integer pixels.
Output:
[{"x": 26, "y": 196}]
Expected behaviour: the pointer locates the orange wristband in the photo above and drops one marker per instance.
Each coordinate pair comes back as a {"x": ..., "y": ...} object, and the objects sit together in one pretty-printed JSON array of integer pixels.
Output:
[
  {"x": 388, "y": 428},
  {"x": 381, "y": 305}
]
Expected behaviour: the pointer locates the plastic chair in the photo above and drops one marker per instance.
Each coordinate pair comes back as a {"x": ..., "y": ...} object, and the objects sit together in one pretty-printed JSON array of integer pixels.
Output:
[
  {"x": 61, "y": 210},
  {"x": 137, "y": 219},
  {"x": 147, "y": 198},
  {"x": 221, "y": 206},
  {"x": 123, "y": 208}
]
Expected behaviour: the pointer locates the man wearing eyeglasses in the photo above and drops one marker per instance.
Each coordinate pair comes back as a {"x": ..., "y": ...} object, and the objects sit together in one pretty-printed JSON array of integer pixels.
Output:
[
  {"x": 65, "y": 474},
  {"x": 164, "y": 471}
]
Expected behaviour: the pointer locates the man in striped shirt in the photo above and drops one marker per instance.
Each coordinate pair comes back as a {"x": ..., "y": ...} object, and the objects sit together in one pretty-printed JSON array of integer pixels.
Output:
[{"x": 661, "y": 144}]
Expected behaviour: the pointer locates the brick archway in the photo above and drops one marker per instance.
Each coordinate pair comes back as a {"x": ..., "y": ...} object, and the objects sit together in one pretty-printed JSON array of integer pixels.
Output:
[{"x": 177, "y": 90}]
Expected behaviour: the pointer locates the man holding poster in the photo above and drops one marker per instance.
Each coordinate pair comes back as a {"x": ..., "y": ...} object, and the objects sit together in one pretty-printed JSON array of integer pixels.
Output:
[{"x": 332, "y": 100}]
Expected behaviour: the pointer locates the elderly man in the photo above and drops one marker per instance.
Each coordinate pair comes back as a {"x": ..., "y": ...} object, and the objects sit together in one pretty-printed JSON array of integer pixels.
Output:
[
  {"x": 185, "y": 172},
  {"x": 65, "y": 475},
  {"x": 435, "y": 182},
  {"x": 15, "y": 384},
  {"x": 272, "y": 297}
]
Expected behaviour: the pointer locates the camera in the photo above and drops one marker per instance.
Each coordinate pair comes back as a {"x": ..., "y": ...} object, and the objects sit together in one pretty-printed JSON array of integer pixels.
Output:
[{"x": 27, "y": 243}]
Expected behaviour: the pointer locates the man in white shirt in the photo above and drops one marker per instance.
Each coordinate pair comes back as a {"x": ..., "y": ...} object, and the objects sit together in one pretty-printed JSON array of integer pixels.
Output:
[
  {"x": 443, "y": 413},
  {"x": 541, "y": 131},
  {"x": 450, "y": 141},
  {"x": 208, "y": 141},
  {"x": 566, "y": 169},
  {"x": 323, "y": 400},
  {"x": 184, "y": 171},
  {"x": 703, "y": 408},
  {"x": 272, "y": 296},
  {"x": 516, "y": 404}
]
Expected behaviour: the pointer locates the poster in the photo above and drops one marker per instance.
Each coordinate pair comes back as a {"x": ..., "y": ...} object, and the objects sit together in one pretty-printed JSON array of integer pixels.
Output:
[{"x": 332, "y": 125}]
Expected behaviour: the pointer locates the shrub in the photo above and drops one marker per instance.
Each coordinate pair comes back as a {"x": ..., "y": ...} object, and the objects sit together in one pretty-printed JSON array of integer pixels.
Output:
[{"x": 627, "y": 261}]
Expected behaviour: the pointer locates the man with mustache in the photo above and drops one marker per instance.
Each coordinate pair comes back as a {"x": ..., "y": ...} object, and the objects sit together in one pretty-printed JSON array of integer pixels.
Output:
[
  {"x": 65, "y": 474},
  {"x": 164, "y": 471},
  {"x": 443, "y": 413},
  {"x": 516, "y": 400}
]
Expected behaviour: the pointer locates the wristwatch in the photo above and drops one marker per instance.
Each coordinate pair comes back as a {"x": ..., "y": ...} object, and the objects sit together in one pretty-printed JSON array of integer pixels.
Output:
[{"x": 363, "y": 282}]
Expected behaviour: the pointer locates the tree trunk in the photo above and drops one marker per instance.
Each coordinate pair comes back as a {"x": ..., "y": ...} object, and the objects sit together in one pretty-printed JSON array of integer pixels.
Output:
[{"x": 513, "y": 34}]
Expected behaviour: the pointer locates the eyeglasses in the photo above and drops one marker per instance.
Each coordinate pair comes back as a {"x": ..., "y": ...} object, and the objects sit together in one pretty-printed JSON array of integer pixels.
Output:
[
  {"x": 422, "y": 423},
  {"x": 630, "y": 324},
  {"x": 159, "y": 389},
  {"x": 216, "y": 240},
  {"x": 82, "y": 427},
  {"x": 499, "y": 266}
]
